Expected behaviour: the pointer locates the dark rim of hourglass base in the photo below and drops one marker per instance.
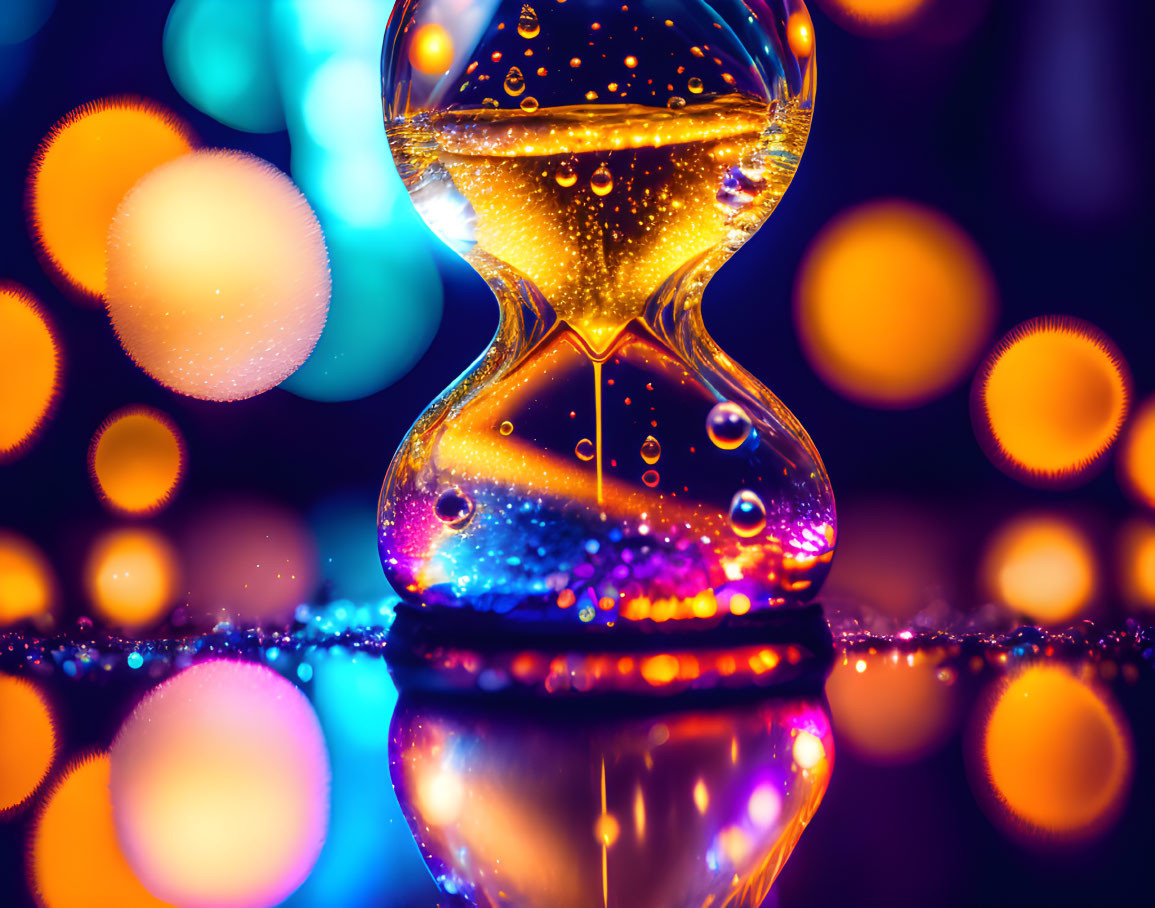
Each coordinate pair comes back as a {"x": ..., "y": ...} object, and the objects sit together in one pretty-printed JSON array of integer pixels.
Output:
[{"x": 453, "y": 651}]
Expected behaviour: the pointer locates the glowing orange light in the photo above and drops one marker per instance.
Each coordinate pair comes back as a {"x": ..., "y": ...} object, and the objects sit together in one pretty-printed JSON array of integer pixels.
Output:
[
  {"x": 136, "y": 459},
  {"x": 873, "y": 17},
  {"x": 29, "y": 369},
  {"x": 701, "y": 796},
  {"x": 440, "y": 796},
  {"x": 27, "y": 587},
  {"x": 660, "y": 669},
  {"x": 893, "y": 304},
  {"x": 890, "y": 712},
  {"x": 89, "y": 160},
  {"x": 1137, "y": 455},
  {"x": 1050, "y": 400},
  {"x": 1057, "y": 752},
  {"x": 218, "y": 276},
  {"x": 808, "y": 750},
  {"x": 607, "y": 829},
  {"x": 28, "y": 733},
  {"x": 132, "y": 577},
  {"x": 432, "y": 49},
  {"x": 1041, "y": 565},
  {"x": 800, "y": 33},
  {"x": 1137, "y": 562},
  {"x": 221, "y": 740},
  {"x": 74, "y": 852}
]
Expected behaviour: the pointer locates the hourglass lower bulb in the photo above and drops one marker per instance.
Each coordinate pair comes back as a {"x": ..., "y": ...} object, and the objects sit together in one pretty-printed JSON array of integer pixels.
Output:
[{"x": 604, "y": 502}]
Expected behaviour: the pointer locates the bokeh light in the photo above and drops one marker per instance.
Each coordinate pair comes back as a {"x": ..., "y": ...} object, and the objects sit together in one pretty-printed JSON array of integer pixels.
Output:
[
  {"x": 29, "y": 369},
  {"x": 132, "y": 577},
  {"x": 889, "y": 709},
  {"x": 218, "y": 279},
  {"x": 136, "y": 459},
  {"x": 387, "y": 296},
  {"x": 1057, "y": 754},
  {"x": 1042, "y": 566},
  {"x": 1136, "y": 554},
  {"x": 873, "y": 17},
  {"x": 1050, "y": 399},
  {"x": 21, "y": 19},
  {"x": 220, "y": 787},
  {"x": 432, "y": 49},
  {"x": 1137, "y": 455},
  {"x": 27, "y": 583},
  {"x": 220, "y": 58},
  {"x": 249, "y": 562},
  {"x": 27, "y": 741},
  {"x": 89, "y": 160},
  {"x": 893, "y": 304},
  {"x": 74, "y": 859}
]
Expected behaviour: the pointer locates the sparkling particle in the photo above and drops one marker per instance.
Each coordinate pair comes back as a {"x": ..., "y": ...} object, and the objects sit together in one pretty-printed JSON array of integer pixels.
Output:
[
  {"x": 728, "y": 425},
  {"x": 602, "y": 181},
  {"x": 527, "y": 24},
  {"x": 747, "y": 514},
  {"x": 454, "y": 508},
  {"x": 651, "y": 450},
  {"x": 514, "y": 82}
]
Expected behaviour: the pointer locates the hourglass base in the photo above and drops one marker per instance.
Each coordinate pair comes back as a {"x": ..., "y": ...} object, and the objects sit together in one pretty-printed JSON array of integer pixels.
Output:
[{"x": 451, "y": 650}]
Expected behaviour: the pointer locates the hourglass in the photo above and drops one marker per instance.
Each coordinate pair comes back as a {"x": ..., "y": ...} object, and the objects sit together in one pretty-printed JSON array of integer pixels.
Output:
[{"x": 603, "y": 470}]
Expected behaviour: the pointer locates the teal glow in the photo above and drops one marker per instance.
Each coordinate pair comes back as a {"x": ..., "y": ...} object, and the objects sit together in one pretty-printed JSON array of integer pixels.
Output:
[
  {"x": 387, "y": 299},
  {"x": 219, "y": 56},
  {"x": 369, "y": 858},
  {"x": 345, "y": 529},
  {"x": 21, "y": 19}
]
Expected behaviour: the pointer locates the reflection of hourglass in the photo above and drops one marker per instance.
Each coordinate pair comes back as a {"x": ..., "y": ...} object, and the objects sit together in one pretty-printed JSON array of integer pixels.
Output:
[{"x": 604, "y": 504}]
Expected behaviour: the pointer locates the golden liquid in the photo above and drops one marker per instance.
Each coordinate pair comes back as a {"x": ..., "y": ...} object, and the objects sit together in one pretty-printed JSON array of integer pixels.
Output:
[{"x": 597, "y": 205}]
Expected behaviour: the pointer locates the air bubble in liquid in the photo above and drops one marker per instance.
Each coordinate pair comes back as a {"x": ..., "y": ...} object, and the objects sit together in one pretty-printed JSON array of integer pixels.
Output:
[
  {"x": 747, "y": 514},
  {"x": 728, "y": 425},
  {"x": 514, "y": 82},
  {"x": 454, "y": 508},
  {"x": 651, "y": 450},
  {"x": 602, "y": 181}
]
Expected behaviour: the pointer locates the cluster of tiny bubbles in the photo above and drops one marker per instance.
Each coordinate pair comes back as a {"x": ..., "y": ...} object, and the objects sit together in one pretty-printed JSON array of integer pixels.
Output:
[
  {"x": 454, "y": 508},
  {"x": 89, "y": 653},
  {"x": 728, "y": 425},
  {"x": 747, "y": 513}
]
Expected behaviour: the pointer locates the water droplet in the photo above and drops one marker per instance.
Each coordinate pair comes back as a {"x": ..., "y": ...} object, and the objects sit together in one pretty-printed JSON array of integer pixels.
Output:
[
  {"x": 728, "y": 425},
  {"x": 676, "y": 103},
  {"x": 584, "y": 449},
  {"x": 566, "y": 176},
  {"x": 495, "y": 56},
  {"x": 697, "y": 51},
  {"x": 613, "y": 86},
  {"x": 541, "y": 71},
  {"x": 527, "y": 24},
  {"x": 602, "y": 181},
  {"x": 529, "y": 104},
  {"x": 505, "y": 428},
  {"x": 651, "y": 450},
  {"x": 514, "y": 82},
  {"x": 747, "y": 514},
  {"x": 454, "y": 508},
  {"x": 135, "y": 660},
  {"x": 695, "y": 85},
  {"x": 591, "y": 95},
  {"x": 650, "y": 478},
  {"x": 575, "y": 62},
  {"x": 631, "y": 62}
]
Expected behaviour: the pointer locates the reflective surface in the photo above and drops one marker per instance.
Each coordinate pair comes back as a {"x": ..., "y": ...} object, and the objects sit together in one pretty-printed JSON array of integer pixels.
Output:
[
  {"x": 597, "y": 163},
  {"x": 656, "y": 810}
]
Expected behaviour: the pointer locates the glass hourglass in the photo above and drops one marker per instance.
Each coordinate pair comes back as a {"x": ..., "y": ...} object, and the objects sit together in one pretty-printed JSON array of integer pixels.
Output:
[
  {"x": 605, "y": 517},
  {"x": 603, "y": 468}
]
